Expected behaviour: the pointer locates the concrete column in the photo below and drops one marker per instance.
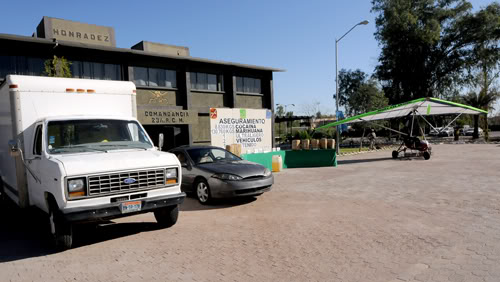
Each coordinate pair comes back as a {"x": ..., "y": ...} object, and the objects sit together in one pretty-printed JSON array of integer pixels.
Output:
[{"x": 185, "y": 88}]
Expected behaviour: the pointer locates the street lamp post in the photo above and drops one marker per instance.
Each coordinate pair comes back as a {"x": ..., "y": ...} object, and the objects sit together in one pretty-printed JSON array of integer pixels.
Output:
[{"x": 337, "y": 139}]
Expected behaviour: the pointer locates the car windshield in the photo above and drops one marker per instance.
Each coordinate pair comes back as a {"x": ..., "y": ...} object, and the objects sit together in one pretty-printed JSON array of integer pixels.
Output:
[
  {"x": 72, "y": 136},
  {"x": 210, "y": 155}
]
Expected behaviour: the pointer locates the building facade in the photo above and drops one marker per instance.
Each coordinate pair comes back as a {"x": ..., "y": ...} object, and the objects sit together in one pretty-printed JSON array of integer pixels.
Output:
[{"x": 175, "y": 91}]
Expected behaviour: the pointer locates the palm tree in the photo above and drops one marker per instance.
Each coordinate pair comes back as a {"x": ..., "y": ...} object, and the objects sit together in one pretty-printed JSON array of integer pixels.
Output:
[{"x": 483, "y": 100}]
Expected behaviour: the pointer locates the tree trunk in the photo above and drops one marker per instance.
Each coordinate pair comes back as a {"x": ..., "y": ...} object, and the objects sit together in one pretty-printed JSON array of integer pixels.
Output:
[
  {"x": 486, "y": 133},
  {"x": 475, "y": 135}
]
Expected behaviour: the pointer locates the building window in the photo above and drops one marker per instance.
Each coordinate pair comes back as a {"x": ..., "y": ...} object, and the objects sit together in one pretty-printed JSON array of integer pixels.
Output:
[
  {"x": 248, "y": 85},
  {"x": 92, "y": 70},
  {"x": 21, "y": 65},
  {"x": 154, "y": 77},
  {"x": 206, "y": 81}
]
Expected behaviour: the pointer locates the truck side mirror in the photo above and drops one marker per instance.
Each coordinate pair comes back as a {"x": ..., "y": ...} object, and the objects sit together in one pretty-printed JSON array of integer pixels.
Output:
[
  {"x": 13, "y": 148},
  {"x": 160, "y": 141}
]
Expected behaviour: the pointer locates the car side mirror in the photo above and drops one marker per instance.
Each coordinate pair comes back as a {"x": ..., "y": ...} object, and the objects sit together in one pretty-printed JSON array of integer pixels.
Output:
[
  {"x": 14, "y": 148},
  {"x": 160, "y": 141}
]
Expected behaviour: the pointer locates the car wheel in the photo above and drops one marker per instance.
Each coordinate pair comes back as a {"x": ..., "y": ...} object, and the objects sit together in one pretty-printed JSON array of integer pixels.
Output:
[
  {"x": 203, "y": 191},
  {"x": 427, "y": 155},
  {"x": 395, "y": 154},
  {"x": 167, "y": 216},
  {"x": 61, "y": 231}
]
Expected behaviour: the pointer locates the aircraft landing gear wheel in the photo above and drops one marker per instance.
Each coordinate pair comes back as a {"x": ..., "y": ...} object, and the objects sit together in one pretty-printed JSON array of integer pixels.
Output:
[
  {"x": 427, "y": 155},
  {"x": 395, "y": 154},
  {"x": 61, "y": 231}
]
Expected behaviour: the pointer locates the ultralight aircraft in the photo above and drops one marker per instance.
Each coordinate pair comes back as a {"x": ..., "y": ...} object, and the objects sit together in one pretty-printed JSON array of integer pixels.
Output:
[{"x": 412, "y": 111}]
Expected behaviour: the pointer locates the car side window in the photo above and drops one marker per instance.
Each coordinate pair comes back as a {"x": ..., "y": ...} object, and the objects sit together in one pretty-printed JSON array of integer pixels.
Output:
[
  {"x": 181, "y": 157},
  {"x": 37, "y": 144}
]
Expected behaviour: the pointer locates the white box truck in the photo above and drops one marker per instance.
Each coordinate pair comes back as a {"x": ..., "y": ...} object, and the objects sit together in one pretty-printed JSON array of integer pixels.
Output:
[{"x": 74, "y": 149}]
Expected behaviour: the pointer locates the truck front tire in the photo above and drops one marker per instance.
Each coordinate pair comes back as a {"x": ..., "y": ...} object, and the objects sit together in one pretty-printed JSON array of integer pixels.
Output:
[
  {"x": 167, "y": 216},
  {"x": 61, "y": 231},
  {"x": 3, "y": 197}
]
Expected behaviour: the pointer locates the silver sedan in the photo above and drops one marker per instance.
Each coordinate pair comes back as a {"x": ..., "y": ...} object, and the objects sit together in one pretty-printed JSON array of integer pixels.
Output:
[{"x": 212, "y": 172}]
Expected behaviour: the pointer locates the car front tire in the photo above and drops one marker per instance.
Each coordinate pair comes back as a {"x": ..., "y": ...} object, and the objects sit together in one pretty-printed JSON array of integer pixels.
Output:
[{"x": 203, "y": 192}]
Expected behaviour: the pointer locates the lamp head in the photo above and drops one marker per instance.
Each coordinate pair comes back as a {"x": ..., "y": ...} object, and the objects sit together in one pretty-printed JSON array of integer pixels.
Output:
[{"x": 365, "y": 22}]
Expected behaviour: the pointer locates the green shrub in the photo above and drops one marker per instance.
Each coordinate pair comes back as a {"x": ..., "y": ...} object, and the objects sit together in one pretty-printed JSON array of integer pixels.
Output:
[{"x": 305, "y": 135}]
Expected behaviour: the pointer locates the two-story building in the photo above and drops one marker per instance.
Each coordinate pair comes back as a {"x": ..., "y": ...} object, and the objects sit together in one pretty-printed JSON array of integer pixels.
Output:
[{"x": 175, "y": 91}]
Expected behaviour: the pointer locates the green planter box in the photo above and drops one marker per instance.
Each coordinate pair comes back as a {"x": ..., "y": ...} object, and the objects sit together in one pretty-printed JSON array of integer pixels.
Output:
[{"x": 295, "y": 159}]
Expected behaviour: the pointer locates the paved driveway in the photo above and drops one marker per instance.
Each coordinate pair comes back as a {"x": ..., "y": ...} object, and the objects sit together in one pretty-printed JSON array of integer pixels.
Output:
[{"x": 370, "y": 219}]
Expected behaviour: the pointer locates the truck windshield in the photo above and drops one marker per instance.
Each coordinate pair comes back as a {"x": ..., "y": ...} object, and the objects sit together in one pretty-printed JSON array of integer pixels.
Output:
[{"x": 71, "y": 136}]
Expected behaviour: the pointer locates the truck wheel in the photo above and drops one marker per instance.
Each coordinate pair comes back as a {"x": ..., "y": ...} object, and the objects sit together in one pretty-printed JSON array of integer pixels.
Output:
[
  {"x": 167, "y": 217},
  {"x": 3, "y": 197},
  {"x": 203, "y": 192},
  {"x": 61, "y": 231}
]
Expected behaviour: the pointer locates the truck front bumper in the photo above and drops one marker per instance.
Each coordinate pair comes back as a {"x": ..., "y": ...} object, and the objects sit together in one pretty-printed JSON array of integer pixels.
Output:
[{"x": 113, "y": 210}]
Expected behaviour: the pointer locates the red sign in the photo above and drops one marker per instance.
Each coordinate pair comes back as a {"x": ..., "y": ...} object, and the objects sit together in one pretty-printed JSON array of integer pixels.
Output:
[{"x": 213, "y": 113}]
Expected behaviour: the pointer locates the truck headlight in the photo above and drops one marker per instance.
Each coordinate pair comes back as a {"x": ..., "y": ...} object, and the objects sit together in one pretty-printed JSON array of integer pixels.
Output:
[
  {"x": 227, "y": 176},
  {"x": 76, "y": 187},
  {"x": 171, "y": 176}
]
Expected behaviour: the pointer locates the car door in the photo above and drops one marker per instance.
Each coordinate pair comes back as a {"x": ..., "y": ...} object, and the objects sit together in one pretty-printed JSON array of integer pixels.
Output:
[{"x": 187, "y": 170}]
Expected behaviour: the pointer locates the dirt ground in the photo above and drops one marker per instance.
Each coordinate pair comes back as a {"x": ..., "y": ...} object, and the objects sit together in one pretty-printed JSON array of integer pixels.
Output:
[{"x": 370, "y": 219}]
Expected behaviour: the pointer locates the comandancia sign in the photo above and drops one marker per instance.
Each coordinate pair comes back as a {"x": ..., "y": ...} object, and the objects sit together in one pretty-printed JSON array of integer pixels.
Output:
[{"x": 251, "y": 128}]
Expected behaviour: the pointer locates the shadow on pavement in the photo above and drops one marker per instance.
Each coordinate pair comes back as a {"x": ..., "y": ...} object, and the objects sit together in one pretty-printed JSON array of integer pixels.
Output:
[
  {"x": 88, "y": 234},
  {"x": 345, "y": 162},
  {"x": 24, "y": 233},
  {"x": 191, "y": 204}
]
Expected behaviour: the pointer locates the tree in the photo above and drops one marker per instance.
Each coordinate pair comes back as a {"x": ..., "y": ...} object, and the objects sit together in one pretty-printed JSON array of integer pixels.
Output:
[
  {"x": 349, "y": 83},
  {"x": 310, "y": 109},
  {"x": 58, "y": 67},
  {"x": 280, "y": 111},
  {"x": 483, "y": 98},
  {"x": 358, "y": 94},
  {"x": 426, "y": 44},
  {"x": 484, "y": 62}
]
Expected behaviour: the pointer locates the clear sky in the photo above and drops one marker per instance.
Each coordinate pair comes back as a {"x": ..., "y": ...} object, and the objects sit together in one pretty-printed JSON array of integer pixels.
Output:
[{"x": 297, "y": 36}]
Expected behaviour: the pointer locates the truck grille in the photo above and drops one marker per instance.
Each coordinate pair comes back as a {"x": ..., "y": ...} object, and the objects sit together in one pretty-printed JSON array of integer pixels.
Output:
[{"x": 115, "y": 183}]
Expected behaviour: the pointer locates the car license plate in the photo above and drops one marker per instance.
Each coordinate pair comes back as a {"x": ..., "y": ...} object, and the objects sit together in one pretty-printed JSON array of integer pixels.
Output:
[{"x": 131, "y": 206}]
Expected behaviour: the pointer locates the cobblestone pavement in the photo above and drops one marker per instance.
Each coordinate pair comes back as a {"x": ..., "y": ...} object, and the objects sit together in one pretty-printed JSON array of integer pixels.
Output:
[{"x": 370, "y": 219}]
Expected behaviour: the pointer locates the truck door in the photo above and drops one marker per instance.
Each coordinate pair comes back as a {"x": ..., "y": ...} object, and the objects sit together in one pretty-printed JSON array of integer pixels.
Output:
[{"x": 34, "y": 167}]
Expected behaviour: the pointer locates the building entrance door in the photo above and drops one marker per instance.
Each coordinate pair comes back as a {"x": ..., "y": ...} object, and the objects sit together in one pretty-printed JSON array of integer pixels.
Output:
[{"x": 174, "y": 136}]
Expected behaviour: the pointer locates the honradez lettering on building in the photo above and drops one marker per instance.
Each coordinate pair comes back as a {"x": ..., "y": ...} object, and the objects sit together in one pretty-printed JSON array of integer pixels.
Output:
[
  {"x": 161, "y": 115},
  {"x": 53, "y": 28},
  {"x": 251, "y": 128}
]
